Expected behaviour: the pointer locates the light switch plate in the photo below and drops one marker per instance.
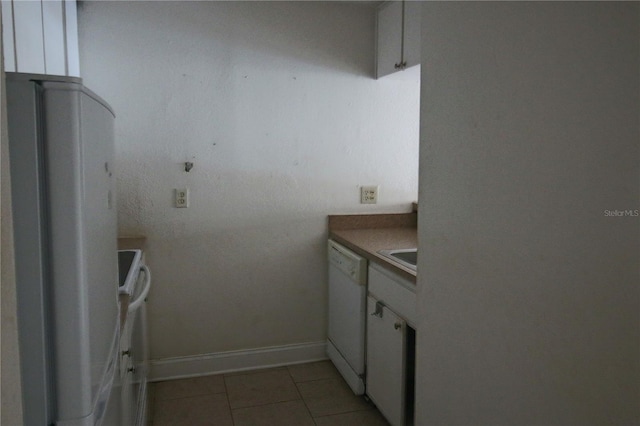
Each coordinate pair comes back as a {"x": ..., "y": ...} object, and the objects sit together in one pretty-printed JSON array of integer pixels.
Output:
[
  {"x": 182, "y": 197},
  {"x": 368, "y": 194}
]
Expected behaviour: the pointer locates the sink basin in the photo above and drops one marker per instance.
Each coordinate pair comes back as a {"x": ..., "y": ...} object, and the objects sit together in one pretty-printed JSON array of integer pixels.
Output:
[
  {"x": 405, "y": 257},
  {"x": 128, "y": 265}
]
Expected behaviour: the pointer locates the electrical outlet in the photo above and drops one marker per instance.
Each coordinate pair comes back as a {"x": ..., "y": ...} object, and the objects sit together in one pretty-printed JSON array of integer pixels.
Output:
[
  {"x": 368, "y": 194},
  {"x": 182, "y": 197}
]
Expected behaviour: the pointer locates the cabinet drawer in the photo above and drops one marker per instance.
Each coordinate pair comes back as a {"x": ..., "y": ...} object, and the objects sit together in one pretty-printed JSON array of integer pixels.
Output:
[{"x": 396, "y": 292}]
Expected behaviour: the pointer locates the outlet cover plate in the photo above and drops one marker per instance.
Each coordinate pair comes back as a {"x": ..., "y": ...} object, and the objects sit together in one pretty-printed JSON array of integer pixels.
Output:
[
  {"x": 369, "y": 194},
  {"x": 182, "y": 197}
]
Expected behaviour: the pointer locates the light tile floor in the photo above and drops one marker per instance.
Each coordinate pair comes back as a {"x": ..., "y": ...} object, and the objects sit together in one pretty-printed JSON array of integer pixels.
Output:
[{"x": 311, "y": 394}]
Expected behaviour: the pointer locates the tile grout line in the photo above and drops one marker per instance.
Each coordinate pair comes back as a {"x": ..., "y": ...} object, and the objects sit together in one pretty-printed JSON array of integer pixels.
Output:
[
  {"x": 264, "y": 404},
  {"x": 192, "y": 396},
  {"x": 369, "y": 405},
  {"x": 250, "y": 372},
  {"x": 301, "y": 397},
  {"x": 226, "y": 394},
  {"x": 314, "y": 378}
]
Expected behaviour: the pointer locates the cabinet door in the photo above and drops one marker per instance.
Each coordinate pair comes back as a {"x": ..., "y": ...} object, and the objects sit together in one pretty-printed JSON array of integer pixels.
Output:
[
  {"x": 7, "y": 36},
  {"x": 113, "y": 412},
  {"x": 73, "y": 54},
  {"x": 126, "y": 396},
  {"x": 389, "y": 38},
  {"x": 40, "y": 37},
  {"x": 128, "y": 360},
  {"x": 29, "y": 37},
  {"x": 53, "y": 29},
  {"x": 412, "y": 33},
  {"x": 386, "y": 361}
]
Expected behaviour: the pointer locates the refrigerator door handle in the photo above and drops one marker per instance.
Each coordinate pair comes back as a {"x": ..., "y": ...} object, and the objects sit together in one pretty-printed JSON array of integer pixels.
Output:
[{"x": 133, "y": 306}]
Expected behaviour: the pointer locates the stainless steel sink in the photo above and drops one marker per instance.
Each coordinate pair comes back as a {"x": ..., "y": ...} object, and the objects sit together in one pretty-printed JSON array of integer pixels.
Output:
[
  {"x": 405, "y": 257},
  {"x": 128, "y": 266}
]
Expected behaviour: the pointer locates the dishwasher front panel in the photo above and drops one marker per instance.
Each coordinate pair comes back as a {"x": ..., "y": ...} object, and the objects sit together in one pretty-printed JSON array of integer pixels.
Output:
[{"x": 347, "y": 306}]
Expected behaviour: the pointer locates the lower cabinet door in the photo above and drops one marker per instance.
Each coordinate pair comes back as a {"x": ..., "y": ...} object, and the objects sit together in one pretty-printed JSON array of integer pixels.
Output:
[
  {"x": 128, "y": 395},
  {"x": 113, "y": 413},
  {"x": 127, "y": 368},
  {"x": 386, "y": 342}
]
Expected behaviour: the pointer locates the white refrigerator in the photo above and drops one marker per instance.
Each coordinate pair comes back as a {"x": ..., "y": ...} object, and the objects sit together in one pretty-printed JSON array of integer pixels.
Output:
[{"x": 63, "y": 192}]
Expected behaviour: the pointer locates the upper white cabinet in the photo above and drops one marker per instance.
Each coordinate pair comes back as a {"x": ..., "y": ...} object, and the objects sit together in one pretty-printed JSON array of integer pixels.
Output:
[
  {"x": 40, "y": 36},
  {"x": 398, "y": 36}
]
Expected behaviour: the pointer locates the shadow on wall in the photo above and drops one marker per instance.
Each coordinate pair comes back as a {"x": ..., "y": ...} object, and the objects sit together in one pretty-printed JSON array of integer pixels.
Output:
[{"x": 282, "y": 29}]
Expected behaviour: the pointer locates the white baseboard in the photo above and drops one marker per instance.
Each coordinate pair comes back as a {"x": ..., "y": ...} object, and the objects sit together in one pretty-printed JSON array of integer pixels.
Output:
[{"x": 225, "y": 362}]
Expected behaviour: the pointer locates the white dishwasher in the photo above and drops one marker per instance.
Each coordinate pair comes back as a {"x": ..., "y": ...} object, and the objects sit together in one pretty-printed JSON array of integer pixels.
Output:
[{"x": 347, "y": 311}]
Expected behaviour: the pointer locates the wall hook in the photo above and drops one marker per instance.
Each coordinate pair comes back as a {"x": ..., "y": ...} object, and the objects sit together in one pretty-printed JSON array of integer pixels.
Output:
[{"x": 188, "y": 166}]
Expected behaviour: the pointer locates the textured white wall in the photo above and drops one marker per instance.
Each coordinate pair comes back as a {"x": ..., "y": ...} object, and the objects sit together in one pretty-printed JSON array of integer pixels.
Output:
[
  {"x": 275, "y": 104},
  {"x": 529, "y": 294}
]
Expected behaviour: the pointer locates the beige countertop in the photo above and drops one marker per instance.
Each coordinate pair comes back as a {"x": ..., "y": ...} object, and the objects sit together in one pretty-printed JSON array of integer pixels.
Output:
[
  {"x": 367, "y": 234},
  {"x": 131, "y": 242}
]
